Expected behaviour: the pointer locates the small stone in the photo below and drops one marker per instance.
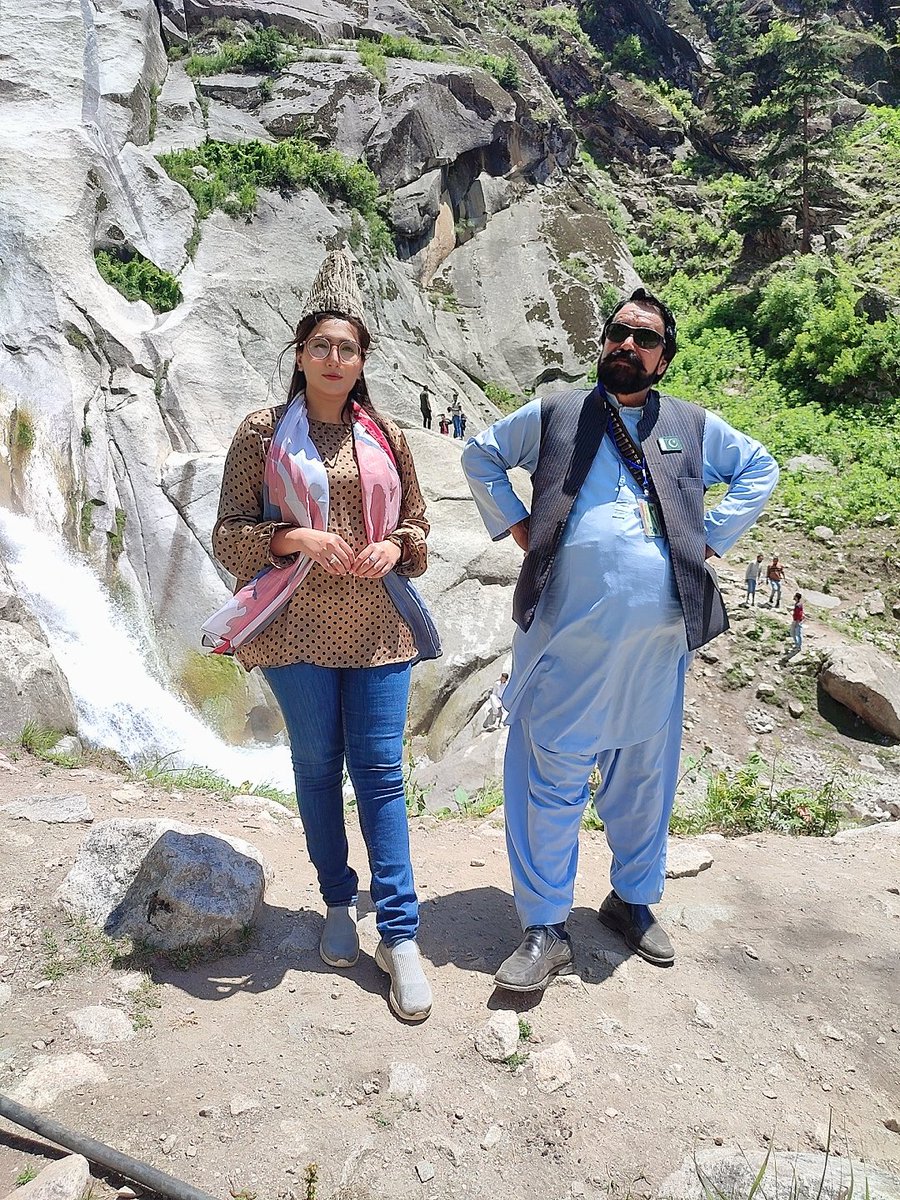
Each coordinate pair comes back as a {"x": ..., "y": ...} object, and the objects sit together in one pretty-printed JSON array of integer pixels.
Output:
[
  {"x": 406, "y": 1081},
  {"x": 612, "y": 1113},
  {"x": 499, "y": 1036},
  {"x": 206, "y": 1111},
  {"x": 492, "y": 1138},
  {"x": 553, "y": 1066},
  {"x": 476, "y": 862},
  {"x": 795, "y": 708},
  {"x": 750, "y": 952},
  {"x": 238, "y": 1105},
  {"x": 826, "y": 1087},
  {"x": 101, "y": 1025},
  {"x": 703, "y": 1016},
  {"x": 685, "y": 859},
  {"x": 892, "y": 1124},
  {"x": 168, "y": 1143},
  {"x": 127, "y": 1193},
  {"x": 425, "y": 1171},
  {"x": 801, "y": 1052},
  {"x": 829, "y": 1031}
]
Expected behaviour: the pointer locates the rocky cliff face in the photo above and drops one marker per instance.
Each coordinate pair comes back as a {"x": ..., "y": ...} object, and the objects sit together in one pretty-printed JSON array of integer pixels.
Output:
[{"x": 119, "y": 417}]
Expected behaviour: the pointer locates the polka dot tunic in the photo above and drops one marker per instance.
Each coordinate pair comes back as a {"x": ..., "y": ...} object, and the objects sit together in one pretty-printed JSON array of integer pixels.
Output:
[{"x": 331, "y": 620}]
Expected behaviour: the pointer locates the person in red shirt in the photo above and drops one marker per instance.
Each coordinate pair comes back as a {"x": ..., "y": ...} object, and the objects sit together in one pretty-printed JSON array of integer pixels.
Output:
[{"x": 797, "y": 621}]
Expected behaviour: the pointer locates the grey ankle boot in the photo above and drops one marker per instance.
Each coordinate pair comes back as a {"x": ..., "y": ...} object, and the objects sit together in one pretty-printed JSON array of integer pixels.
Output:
[
  {"x": 339, "y": 944},
  {"x": 410, "y": 995}
]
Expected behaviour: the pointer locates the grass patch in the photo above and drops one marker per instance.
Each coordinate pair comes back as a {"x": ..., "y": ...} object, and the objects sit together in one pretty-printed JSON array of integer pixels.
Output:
[
  {"x": 485, "y": 801},
  {"x": 137, "y": 278},
  {"x": 41, "y": 741},
  {"x": 83, "y": 946},
  {"x": 143, "y": 1002},
  {"x": 374, "y": 52},
  {"x": 746, "y": 801},
  {"x": 21, "y": 435},
  {"x": 160, "y": 772},
  {"x": 25, "y": 1176}
]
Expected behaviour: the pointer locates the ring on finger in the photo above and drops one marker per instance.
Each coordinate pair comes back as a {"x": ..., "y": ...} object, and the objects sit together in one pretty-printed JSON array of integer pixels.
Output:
[{"x": 333, "y": 559}]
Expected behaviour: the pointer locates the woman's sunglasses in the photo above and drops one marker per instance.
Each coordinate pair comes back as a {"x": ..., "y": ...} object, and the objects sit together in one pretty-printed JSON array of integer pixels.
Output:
[
  {"x": 320, "y": 348},
  {"x": 647, "y": 339}
]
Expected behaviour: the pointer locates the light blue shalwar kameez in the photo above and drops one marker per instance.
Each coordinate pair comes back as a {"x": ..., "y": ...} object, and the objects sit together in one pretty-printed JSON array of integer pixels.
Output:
[{"x": 598, "y": 678}]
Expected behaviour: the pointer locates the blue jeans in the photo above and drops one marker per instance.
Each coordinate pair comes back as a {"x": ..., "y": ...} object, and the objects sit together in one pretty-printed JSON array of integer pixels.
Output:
[
  {"x": 457, "y": 426},
  {"x": 357, "y": 715}
]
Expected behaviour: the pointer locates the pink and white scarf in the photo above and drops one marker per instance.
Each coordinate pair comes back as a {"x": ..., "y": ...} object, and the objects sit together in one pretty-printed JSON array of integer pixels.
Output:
[{"x": 295, "y": 491}]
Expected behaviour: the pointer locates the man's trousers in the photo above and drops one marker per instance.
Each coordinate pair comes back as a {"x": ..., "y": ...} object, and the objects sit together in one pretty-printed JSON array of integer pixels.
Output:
[{"x": 545, "y": 794}]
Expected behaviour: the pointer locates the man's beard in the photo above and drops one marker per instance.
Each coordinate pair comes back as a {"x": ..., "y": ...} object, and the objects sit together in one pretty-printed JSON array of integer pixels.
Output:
[{"x": 622, "y": 373}]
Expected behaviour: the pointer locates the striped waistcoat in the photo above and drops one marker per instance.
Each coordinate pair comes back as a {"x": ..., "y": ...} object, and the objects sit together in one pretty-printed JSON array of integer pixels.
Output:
[{"x": 572, "y": 426}]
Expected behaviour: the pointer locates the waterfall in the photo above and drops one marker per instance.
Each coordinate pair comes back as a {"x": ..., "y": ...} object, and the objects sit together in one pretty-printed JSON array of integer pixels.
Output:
[{"x": 120, "y": 705}]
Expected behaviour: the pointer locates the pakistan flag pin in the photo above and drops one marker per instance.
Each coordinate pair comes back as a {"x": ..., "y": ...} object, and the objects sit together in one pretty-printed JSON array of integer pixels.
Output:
[{"x": 670, "y": 445}]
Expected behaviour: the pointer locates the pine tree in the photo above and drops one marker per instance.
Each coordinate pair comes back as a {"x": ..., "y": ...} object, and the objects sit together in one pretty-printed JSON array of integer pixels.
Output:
[
  {"x": 730, "y": 86},
  {"x": 798, "y": 136}
]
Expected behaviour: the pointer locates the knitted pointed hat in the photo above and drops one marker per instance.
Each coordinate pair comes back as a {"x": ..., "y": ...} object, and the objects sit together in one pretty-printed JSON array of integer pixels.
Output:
[{"x": 335, "y": 289}]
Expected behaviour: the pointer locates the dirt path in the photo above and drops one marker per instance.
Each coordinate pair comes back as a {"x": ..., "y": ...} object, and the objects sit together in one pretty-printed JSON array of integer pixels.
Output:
[{"x": 781, "y": 1006}]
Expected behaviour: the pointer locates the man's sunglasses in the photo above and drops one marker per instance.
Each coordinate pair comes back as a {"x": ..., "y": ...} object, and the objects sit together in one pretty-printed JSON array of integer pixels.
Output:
[{"x": 647, "y": 339}]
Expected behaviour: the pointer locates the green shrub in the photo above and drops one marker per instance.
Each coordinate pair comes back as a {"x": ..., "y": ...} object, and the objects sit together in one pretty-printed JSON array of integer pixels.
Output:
[
  {"x": 745, "y": 802},
  {"x": 23, "y": 431},
  {"x": 117, "y": 537},
  {"x": 233, "y": 173},
  {"x": 137, "y": 278},
  {"x": 504, "y": 399},
  {"x": 630, "y": 56},
  {"x": 263, "y": 50}
]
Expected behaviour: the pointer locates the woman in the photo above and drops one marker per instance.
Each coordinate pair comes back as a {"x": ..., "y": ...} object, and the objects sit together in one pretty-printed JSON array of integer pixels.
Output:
[{"x": 321, "y": 510}]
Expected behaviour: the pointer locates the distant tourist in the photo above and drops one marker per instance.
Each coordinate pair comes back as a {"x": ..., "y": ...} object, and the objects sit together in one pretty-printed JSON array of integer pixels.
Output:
[
  {"x": 462, "y": 424},
  {"x": 752, "y": 577},
  {"x": 444, "y": 423},
  {"x": 425, "y": 405},
  {"x": 456, "y": 414},
  {"x": 327, "y": 524},
  {"x": 775, "y": 577},
  {"x": 797, "y": 621},
  {"x": 494, "y": 716},
  {"x": 613, "y": 595}
]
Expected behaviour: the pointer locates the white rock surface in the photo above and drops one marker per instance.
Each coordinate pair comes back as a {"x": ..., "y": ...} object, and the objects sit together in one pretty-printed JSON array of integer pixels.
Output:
[
  {"x": 66, "y": 1179},
  {"x": 730, "y": 1171},
  {"x": 53, "y": 1076},
  {"x": 100, "y": 1024},
  {"x": 52, "y": 810}
]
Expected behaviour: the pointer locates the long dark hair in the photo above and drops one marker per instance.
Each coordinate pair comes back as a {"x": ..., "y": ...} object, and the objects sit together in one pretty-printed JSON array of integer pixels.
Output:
[{"x": 359, "y": 393}]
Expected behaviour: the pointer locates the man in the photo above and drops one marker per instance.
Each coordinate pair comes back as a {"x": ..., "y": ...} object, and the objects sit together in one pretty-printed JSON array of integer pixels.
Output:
[
  {"x": 456, "y": 413},
  {"x": 494, "y": 715},
  {"x": 425, "y": 405},
  {"x": 751, "y": 579},
  {"x": 775, "y": 577},
  {"x": 613, "y": 595}
]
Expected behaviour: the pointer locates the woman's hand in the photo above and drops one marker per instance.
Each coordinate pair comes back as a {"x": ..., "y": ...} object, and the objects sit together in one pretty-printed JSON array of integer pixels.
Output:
[
  {"x": 329, "y": 550},
  {"x": 376, "y": 560}
]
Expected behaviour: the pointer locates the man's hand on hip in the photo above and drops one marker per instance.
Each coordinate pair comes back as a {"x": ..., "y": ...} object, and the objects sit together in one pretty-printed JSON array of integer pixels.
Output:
[{"x": 519, "y": 533}]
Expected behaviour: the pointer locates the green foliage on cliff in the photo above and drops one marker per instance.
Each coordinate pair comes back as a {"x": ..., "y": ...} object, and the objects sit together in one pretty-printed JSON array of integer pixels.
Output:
[
  {"x": 374, "y": 51},
  {"x": 262, "y": 50},
  {"x": 228, "y": 176},
  {"x": 137, "y": 278}
]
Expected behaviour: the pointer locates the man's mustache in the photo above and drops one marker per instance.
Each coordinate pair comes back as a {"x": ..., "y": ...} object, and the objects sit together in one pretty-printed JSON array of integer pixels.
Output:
[{"x": 623, "y": 356}]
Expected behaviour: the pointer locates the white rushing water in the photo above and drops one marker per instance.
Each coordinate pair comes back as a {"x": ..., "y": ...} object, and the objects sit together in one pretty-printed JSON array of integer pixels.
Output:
[{"x": 120, "y": 705}]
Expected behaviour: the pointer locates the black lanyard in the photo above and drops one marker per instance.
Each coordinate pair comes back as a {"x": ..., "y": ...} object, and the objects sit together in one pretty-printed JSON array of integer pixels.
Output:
[{"x": 630, "y": 453}]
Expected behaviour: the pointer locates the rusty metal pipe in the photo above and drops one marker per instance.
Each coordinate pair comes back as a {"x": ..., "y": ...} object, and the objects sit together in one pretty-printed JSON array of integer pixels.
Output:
[{"x": 96, "y": 1152}]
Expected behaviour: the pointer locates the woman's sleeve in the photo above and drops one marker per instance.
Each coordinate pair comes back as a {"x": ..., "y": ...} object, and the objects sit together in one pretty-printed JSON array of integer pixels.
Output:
[
  {"x": 242, "y": 540},
  {"x": 412, "y": 528}
]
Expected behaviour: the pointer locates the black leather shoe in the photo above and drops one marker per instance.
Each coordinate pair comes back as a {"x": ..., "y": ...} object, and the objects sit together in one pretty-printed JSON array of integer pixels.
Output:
[
  {"x": 541, "y": 956},
  {"x": 642, "y": 932}
]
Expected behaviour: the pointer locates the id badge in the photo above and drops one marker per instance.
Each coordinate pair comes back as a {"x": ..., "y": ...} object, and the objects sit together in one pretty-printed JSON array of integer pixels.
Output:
[{"x": 650, "y": 521}]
